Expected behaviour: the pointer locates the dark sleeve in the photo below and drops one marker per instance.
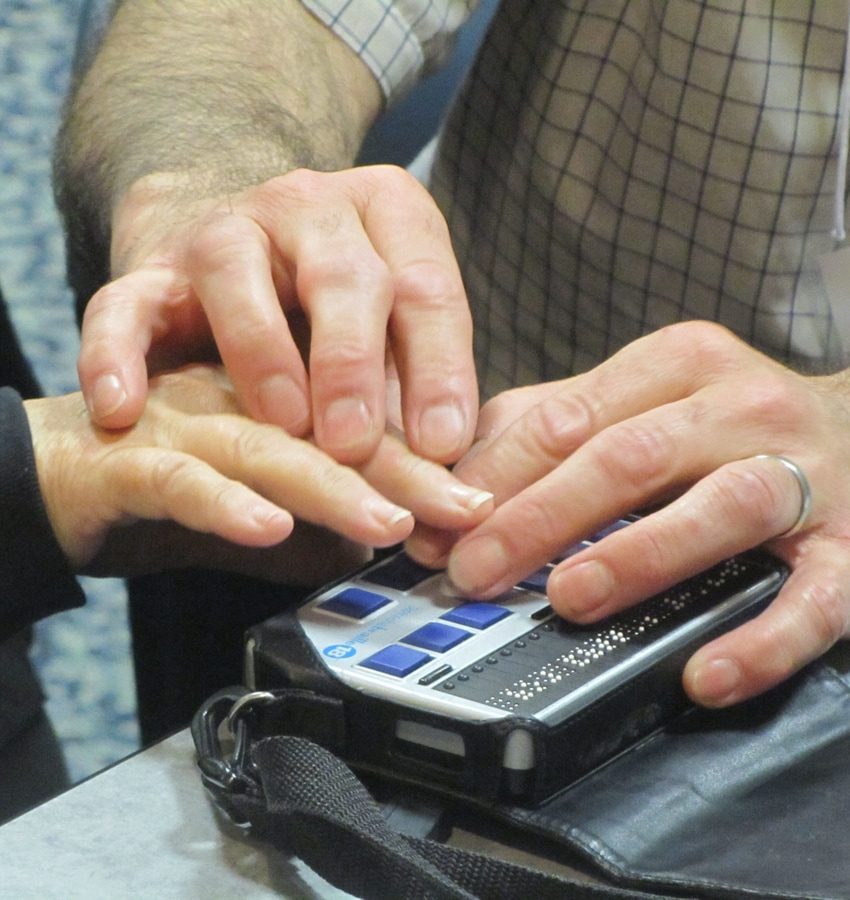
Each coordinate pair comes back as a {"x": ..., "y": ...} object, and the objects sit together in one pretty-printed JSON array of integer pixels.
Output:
[{"x": 35, "y": 579}]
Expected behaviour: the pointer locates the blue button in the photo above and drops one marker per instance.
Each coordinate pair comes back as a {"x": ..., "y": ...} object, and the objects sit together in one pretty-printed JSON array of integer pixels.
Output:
[
  {"x": 537, "y": 580},
  {"x": 437, "y": 637},
  {"x": 396, "y": 660},
  {"x": 477, "y": 615},
  {"x": 354, "y": 603}
]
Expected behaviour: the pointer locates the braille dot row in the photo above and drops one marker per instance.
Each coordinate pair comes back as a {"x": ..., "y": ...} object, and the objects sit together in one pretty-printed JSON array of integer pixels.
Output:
[{"x": 651, "y": 614}]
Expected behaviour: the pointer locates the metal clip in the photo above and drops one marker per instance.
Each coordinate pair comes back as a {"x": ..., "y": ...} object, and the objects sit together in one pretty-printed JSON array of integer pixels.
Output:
[{"x": 226, "y": 774}]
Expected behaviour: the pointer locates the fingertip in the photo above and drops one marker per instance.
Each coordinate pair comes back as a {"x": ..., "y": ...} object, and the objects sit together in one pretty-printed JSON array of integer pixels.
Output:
[
  {"x": 248, "y": 519},
  {"x": 270, "y": 524},
  {"x": 394, "y": 523},
  {"x": 715, "y": 683},
  {"x": 111, "y": 404},
  {"x": 475, "y": 504}
]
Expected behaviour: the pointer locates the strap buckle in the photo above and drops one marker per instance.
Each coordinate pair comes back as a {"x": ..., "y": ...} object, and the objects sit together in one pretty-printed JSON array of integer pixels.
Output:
[{"x": 222, "y": 742}]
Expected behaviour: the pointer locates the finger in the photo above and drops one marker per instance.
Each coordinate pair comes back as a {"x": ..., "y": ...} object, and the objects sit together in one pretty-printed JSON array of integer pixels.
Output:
[
  {"x": 430, "y": 323},
  {"x": 616, "y": 472},
  {"x": 118, "y": 329},
  {"x": 811, "y": 612},
  {"x": 640, "y": 428},
  {"x": 430, "y": 546},
  {"x": 620, "y": 469},
  {"x": 153, "y": 483},
  {"x": 515, "y": 459},
  {"x": 231, "y": 271},
  {"x": 738, "y": 506},
  {"x": 296, "y": 475},
  {"x": 345, "y": 288},
  {"x": 507, "y": 408},
  {"x": 519, "y": 451},
  {"x": 428, "y": 489}
]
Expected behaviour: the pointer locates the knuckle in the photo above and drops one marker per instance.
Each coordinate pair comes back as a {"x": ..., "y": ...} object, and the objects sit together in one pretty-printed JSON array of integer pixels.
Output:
[
  {"x": 504, "y": 408},
  {"x": 362, "y": 276},
  {"x": 105, "y": 300},
  {"x": 415, "y": 470},
  {"x": 250, "y": 443},
  {"x": 752, "y": 494},
  {"x": 389, "y": 185},
  {"x": 773, "y": 400},
  {"x": 432, "y": 284},
  {"x": 634, "y": 453},
  {"x": 698, "y": 335},
  {"x": 93, "y": 351},
  {"x": 347, "y": 357},
  {"x": 330, "y": 480},
  {"x": 534, "y": 516},
  {"x": 251, "y": 332},
  {"x": 223, "y": 240},
  {"x": 169, "y": 473},
  {"x": 296, "y": 186},
  {"x": 386, "y": 177},
  {"x": 504, "y": 403},
  {"x": 655, "y": 558},
  {"x": 219, "y": 498},
  {"x": 558, "y": 424},
  {"x": 705, "y": 345}
]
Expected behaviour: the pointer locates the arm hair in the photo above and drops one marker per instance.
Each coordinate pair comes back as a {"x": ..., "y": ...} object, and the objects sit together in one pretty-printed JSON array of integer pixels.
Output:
[{"x": 229, "y": 93}]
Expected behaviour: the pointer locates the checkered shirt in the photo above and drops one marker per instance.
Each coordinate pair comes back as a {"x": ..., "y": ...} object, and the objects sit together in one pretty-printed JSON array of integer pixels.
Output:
[{"x": 612, "y": 166}]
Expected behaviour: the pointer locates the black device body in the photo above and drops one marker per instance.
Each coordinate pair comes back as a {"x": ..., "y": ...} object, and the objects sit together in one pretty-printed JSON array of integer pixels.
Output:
[{"x": 500, "y": 701}]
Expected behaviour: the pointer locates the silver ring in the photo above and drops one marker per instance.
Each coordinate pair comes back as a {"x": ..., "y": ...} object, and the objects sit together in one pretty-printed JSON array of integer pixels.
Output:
[{"x": 805, "y": 492}]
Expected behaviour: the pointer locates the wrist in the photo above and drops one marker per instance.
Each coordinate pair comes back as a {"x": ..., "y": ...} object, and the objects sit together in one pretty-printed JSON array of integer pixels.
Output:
[{"x": 55, "y": 470}]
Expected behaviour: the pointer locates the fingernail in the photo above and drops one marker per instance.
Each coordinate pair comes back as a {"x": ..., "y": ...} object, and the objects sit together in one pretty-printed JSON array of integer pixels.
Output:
[
  {"x": 441, "y": 430},
  {"x": 347, "y": 422},
  {"x": 469, "y": 497},
  {"x": 388, "y": 514},
  {"x": 717, "y": 682},
  {"x": 282, "y": 400},
  {"x": 582, "y": 589},
  {"x": 478, "y": 564},
  {"x": 108, "y": 396}
]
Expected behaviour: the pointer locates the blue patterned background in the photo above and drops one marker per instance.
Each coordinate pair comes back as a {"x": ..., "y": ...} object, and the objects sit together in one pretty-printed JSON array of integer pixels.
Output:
[{"x": 83, "y": 656}]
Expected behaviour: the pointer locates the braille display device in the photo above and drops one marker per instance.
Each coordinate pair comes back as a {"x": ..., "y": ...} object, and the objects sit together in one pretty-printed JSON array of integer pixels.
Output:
[{"x": 498, "y": 698}]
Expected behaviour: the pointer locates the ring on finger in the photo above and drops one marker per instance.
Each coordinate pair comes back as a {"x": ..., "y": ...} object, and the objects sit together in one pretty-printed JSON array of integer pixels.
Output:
[{"x": 805, "y": 492}]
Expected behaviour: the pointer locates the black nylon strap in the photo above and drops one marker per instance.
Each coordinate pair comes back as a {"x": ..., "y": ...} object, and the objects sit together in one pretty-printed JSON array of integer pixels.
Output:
[{"x": 315, "y": 807}]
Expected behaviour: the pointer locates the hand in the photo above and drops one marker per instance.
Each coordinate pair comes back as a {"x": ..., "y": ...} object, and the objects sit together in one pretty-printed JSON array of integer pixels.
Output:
[
  {"x": 676, "y": 418},
  {"x": 195, "y": 461},
  {"x": 363, "y": 255}
]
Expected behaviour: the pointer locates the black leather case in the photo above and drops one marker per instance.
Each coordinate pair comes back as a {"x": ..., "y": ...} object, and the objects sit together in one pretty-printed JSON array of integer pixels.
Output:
[{"x": 748, "y": 802}]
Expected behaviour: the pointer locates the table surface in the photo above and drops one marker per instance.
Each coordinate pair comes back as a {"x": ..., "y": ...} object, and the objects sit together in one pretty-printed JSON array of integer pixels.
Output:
[
  {"x": 146, "y": 828},
  {"x": 143, "y": 828}
]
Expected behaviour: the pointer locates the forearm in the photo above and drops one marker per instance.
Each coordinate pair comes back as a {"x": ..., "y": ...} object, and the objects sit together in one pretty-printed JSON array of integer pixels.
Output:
[{"x": 178, "y": 87}]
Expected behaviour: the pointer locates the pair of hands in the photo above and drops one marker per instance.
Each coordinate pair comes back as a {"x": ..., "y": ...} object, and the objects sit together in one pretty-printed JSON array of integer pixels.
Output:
[
  {"x": 363, "y": 257},
  {"x": 196, "y": 481}
]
